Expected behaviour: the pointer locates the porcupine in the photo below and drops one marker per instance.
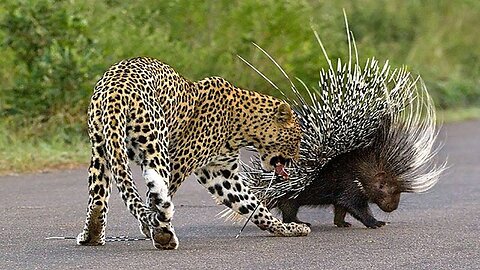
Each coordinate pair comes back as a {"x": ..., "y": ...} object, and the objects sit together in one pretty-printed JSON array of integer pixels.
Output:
[
  {"x": 369, "y": 136},
  {"x": 377, "y": 173}
]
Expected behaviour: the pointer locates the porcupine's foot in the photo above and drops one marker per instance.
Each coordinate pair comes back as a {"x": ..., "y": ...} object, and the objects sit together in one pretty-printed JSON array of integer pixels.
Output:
[
  {"x": 375, "y": 224},
  {"x": 164, "y": 237},
  {"x": 342, "y": 224},
  {"x": 339, "y": 218},
  {"x": 303, "y": 222},
  {"x": 296, "y": 220},
  {"x": 363, "y": 214}
]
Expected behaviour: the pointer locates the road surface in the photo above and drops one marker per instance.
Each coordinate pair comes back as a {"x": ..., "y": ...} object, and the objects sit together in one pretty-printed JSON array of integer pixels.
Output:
[{"x": 436, "y": 230}]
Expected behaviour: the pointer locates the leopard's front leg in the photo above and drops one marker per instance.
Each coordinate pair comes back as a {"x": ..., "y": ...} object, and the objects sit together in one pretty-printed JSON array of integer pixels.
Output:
[
  {"x": 156, "y": 172},
  {"x": 163, "y": 234},
  {"x": 221, "y": 179}
]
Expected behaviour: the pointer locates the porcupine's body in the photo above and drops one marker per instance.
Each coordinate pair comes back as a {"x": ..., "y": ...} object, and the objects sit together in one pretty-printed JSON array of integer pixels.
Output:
[
  {"x": 369, "y": 136},
  {"x": 350, "y": 182},
  {"x": 334, "y": 186}
]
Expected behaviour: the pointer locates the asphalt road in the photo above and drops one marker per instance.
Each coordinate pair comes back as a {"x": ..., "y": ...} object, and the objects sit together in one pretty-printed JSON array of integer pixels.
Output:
[{"x": 436, "y": 230}]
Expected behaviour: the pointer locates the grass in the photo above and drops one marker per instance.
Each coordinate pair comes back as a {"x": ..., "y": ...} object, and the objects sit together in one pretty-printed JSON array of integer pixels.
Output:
[
  {"x": 41, "y": 156},
  {"x": 52, "y": 52},
  {"x": 22, "y": 150},
  {"x": 458, "y": 115}
]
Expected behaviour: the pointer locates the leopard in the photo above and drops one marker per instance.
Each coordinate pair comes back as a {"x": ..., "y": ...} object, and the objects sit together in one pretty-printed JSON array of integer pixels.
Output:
[{"x": 143, "y": 111}]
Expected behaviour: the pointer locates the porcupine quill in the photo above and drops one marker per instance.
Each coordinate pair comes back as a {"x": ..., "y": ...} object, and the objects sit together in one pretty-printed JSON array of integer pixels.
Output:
[{"x": 107, "y": 239}]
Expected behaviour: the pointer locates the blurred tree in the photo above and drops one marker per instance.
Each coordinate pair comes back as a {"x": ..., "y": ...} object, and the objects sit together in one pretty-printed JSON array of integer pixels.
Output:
[{"x": 55, "y": 58}]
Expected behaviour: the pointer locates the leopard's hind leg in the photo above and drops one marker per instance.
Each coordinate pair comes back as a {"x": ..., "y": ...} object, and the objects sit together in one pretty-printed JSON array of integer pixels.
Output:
[
  {"x": 99, "y": 188},
  {"x": 108, "y": 124},
  {"x": 99, "y": 180}
]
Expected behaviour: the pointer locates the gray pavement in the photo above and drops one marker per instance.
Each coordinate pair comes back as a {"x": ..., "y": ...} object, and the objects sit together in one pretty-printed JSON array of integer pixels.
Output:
[{"x": 436, "y": 230}]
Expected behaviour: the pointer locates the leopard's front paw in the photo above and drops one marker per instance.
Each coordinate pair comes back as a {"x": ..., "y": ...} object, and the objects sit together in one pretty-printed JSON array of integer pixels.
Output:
[
  {"x": 164, "y": 237},
  {"x": 302, "y": 229},
  {"x": 293, "y": 229}
]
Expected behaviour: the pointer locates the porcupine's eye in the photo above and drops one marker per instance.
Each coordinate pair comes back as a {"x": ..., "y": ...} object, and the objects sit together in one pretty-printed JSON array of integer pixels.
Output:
[{"x": 380, "y": 181}]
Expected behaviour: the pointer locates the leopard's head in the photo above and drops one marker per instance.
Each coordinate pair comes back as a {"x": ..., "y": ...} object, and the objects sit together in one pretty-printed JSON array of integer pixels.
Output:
[{"x": 279, "y": 139}]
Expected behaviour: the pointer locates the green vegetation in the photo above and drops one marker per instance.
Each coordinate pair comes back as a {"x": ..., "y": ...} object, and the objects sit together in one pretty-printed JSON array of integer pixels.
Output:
[{"x": 52, "y": 53}]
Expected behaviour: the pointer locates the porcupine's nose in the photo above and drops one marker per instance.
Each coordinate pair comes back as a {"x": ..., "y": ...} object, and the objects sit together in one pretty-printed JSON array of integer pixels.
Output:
[{"x": 390, "y": 207}]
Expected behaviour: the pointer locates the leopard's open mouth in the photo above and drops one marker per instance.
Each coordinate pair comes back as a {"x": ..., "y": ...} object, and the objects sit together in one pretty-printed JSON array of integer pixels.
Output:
[{"x": 279, "y": 164}]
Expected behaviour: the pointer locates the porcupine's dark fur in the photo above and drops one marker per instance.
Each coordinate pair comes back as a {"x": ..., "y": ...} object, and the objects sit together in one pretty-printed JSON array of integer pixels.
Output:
[
  {"x": 334, "y": 186},
  {"x": 368, "y": 137}
]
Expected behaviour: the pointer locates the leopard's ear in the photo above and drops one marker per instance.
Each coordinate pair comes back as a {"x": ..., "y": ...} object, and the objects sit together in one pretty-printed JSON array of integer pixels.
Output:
[{"x": 284, "y": 114}]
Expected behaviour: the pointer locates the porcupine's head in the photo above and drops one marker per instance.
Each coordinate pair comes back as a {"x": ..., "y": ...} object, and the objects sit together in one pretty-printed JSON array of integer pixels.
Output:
[
  {"x": 375, "y": 179},
  {"x": 400, "y": 158},
  {"x": 384, "y": 191}
]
